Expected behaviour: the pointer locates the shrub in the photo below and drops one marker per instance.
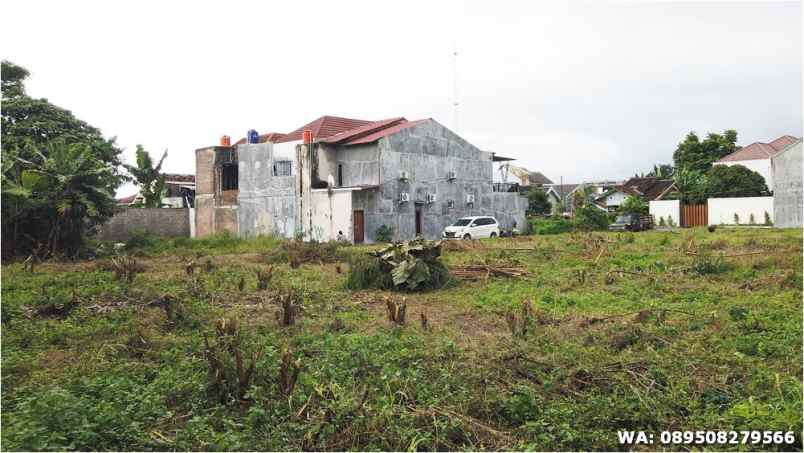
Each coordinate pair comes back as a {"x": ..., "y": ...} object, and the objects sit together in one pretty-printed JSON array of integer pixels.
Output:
[
  {"x": 751, "y": 219},
  {"x": 661, "y": 221},
  {"x": 550, "y": 226},
  {"x": 384, "y": 234},
  {"x": 412, "y": 265},
  {"x": 670, "y": 221},
  {"x": 367, "y": 273},
  {"x": 736, "y": 219},
  {"x": 768, "y": 221},
  {"x": 589, "y": 217}
]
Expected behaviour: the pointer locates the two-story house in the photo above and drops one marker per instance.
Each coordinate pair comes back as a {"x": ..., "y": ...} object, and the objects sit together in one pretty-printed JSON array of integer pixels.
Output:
[{"x": 351, "y": 176}]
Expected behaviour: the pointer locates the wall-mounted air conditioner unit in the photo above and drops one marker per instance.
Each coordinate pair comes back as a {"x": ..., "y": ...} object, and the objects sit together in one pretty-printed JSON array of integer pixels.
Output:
[
  {"x": 403, "y": 175},
  {"x": 404, "y": 197},
  {"x": 451, "y": 204},
  {"x": 431, "y": 198},
  {"x": 470, "y": 199},
  {"x": 451, "y": 175}
]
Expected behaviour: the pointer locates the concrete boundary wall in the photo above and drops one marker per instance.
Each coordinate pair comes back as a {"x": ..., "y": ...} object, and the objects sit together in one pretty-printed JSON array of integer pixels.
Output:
[
  {"x": 721, "y": 211},
  {"x": 169, "y": 222},
  {"x": 665, "y": 209}
]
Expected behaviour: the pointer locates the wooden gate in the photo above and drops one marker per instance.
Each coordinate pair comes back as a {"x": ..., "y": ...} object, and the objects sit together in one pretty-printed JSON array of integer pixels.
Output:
[{"x": 694, "y": 215}]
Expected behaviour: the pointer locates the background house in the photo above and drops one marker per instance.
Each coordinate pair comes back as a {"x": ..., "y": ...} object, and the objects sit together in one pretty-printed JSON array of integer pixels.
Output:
[
  {"x": 340, "y": 174},
  {"x": 179, "y": 193},
  {"x": 647, "y": 188},
  {"x": 757, "y": 157}
]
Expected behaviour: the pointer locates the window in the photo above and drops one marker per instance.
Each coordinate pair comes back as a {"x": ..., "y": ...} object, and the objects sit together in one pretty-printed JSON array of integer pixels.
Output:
[
  {"x": 340, "y": 175},
  {"x": 283, "y": 168},
  {"x": 229, "y": 177}
]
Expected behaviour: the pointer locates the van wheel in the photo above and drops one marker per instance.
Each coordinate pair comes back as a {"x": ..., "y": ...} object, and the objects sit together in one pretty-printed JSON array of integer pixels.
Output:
[
  {"x": 493, "y": 235},
  {"x": 467, "y": 237}
]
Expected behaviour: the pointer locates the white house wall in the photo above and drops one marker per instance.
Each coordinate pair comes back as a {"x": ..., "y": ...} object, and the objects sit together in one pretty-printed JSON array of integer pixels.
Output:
[
  {"x": 722, "y": 210},
  {"x": 331, "y": 212},
  {"x": 665, "y": 209}
]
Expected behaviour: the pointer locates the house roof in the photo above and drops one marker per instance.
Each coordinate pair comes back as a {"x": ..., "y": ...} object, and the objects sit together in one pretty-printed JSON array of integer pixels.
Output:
[
  {"x": 758, "y": 150},
  {"x": 341, "y": 131},
  {"x": 563, "y": 189},
  {"x": 174, "y": 177},
  {"x": 362, "y": 131},
  {"x": 650, "y": 188},
  {"x": 127, "y": 200},
  {"x": 536, "y": 177}
]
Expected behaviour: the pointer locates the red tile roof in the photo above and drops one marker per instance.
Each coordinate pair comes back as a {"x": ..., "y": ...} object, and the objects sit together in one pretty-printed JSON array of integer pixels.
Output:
[
  {"x": 783, "y": 142},
  {"x": 759, "y": 150},
  {"x": 324, "y": 127},
  {"x": 373, "y": 137},
  {"x": 341, "y": 131},
  {"x": 362, "y": 131}
]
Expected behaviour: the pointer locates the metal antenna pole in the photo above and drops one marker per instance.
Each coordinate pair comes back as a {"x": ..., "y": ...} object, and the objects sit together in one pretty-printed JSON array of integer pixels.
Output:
[{"x": 455, "y": 87}]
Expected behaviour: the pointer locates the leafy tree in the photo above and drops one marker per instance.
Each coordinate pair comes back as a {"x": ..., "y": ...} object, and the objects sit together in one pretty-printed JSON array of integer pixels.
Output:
[
  {"x": 690, "y": 186},
  {"x": 149, "y": 178},
  {"x": 663, "y": 171},
  {"x": 634, "y": 205},
  {"x": 590, "y": 217},
  {"x": 538, "y": 203},
  {"x": 698, "y": 155},
  {"x": 60, "y": 194},
  {"x": 725, "y": 181},
  {"x": 31, "y": 130}
]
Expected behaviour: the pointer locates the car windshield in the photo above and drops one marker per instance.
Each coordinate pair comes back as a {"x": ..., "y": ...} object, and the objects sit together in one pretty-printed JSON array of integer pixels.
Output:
[
  {"x": 623, "y": 219},
  {"x": 462, "y": 222}
]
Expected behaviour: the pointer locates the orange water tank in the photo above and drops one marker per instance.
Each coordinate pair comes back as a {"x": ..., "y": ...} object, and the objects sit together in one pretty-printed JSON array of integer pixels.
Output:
[
  {"x": 226, "y": 140},
  {"x": 307, "y": 137}
]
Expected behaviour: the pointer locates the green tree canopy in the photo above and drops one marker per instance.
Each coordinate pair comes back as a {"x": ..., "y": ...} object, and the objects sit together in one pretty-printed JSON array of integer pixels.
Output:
[
  {"x": 538, "y": 203},
  {"x": 634, "y": 205},
  {"x": 50, "y": 220},
  {"x": 724, "y": 181},
  {"x": 149, "y": 178},
  {"x": 698, "y": 155}
]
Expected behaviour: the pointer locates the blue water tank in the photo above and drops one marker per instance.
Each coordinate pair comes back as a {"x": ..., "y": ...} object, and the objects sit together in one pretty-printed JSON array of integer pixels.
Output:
[{"x": 252, "y": 136}]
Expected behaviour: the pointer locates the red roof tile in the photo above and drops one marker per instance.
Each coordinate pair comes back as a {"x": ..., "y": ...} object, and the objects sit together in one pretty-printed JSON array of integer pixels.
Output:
[
  {"x": 373, "y": 137},
  {"x": 324, "y": 127},
  {"x": 341, "y": 131},
  {"x": 362, "y": 131},
  {"x": 751, "y": 152},
  {"x": 782, "y": 142},
  {"x": 759, "y": 150}
]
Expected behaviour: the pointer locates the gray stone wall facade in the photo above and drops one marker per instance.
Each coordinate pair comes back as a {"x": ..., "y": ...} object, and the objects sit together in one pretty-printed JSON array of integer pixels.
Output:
[
  {"x": 169, "y": 222},
  {"x": 267, "y": 203},
  {"x": 429, "y": 152},
  {"x": 787, "y": 196}
]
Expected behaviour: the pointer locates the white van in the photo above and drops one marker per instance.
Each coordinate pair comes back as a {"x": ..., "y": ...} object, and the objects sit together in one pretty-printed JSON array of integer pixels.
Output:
[{"x": 472, "y": 228}]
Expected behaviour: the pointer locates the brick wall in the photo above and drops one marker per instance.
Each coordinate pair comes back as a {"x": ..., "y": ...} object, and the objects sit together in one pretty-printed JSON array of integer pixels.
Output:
[{"x": 159, "y": 221}]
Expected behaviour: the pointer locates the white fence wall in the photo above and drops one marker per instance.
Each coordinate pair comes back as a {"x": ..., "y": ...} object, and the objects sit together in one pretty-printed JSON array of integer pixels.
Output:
[
  {"x": 722, "y": 210},
  {"x": 666, "y": 209}
]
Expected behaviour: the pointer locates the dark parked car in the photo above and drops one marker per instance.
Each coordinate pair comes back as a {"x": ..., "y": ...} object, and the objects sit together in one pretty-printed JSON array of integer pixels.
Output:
[{"x": 632, "y": 222}]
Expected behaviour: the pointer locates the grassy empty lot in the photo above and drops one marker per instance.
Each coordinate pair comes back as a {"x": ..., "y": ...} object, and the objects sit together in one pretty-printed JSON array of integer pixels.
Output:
[{"x": 654, "y": 331}]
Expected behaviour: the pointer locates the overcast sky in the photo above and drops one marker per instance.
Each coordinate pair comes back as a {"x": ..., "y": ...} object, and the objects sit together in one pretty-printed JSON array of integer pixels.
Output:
[{"x": 581, "y": 90}]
